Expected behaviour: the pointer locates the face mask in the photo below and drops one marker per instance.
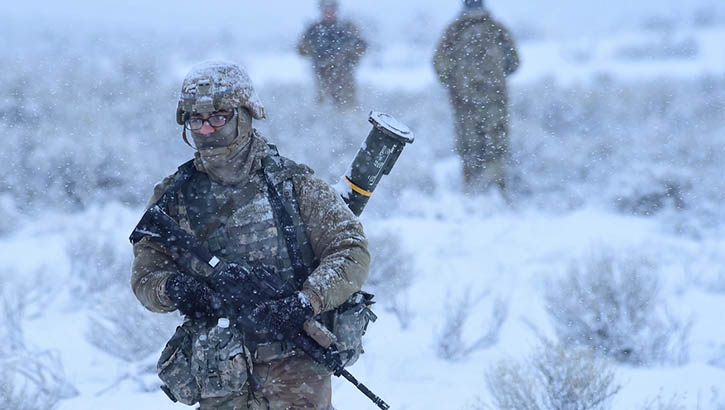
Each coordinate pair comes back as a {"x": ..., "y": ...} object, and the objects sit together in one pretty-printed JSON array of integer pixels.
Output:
[
  {"x": 224, "y": 153},
  {"x": 221, "y": 137}
]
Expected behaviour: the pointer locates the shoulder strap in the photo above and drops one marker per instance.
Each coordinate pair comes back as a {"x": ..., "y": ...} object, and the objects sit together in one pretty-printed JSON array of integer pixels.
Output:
[{"x": 278, "y": 173}]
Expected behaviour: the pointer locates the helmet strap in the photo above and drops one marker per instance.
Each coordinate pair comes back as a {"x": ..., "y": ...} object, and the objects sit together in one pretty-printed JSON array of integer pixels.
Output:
[{"x": 186, "y": 140}]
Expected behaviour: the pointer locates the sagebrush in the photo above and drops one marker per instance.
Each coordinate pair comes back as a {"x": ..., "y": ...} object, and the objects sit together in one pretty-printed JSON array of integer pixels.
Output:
[
  {"x": 30, "y": 378},
  {"x": 554, "y": 377},
  {"x": 460, "y": 335},
  {"x": 122, "y": 328},
  {"x": 392, "y": 273},
  {"x": 614, "y": 305}
]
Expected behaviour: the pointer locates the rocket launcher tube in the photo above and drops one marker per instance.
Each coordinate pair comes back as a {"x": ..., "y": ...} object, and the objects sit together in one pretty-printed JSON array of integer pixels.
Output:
[{"x": 376, "y": 158}]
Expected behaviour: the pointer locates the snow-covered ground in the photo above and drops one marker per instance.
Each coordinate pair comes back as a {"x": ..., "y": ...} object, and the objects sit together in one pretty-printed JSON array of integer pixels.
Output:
[
  {"x": 510, "y": 253},
  {"x": 618, "y": 136}
]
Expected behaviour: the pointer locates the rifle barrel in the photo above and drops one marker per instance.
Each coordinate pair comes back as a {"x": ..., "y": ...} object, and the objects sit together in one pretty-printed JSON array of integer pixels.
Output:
[{"x": 364, "y": 389}]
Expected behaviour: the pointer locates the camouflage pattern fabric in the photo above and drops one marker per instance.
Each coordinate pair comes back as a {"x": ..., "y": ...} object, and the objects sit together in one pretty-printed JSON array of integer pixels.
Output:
[
  {"x": 336, "y": 235},
  {"x": 295, "y": 383},
  {"x": 335, "y": 49},
  {"x": 213, "y": 85},
  {"x": 220, "y": 361},
  {"x": 174, "y": 365},
  {"x": 472, "y": 61},
  {"x": 248, "y": 234},
  {"x": 338, "y": 243},
  {"x": 482, "y": 149},
  {"x": 202, "y": 361},
  {"x": 350, "y": 325}
]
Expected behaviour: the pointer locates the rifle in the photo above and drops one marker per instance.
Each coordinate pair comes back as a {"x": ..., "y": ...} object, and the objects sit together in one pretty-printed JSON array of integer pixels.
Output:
[{"x": 256, "y": 284}]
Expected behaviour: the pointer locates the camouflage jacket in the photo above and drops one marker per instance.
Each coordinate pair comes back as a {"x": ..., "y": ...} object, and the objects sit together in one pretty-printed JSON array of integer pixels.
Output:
[
  {"x": 332, "y": 44},
  {"x": 335, "y": 234},
  {"x": 475, "y": 55}
]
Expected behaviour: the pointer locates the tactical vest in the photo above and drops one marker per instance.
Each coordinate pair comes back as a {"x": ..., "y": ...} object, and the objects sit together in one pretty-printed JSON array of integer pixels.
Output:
[{"x": 257, "y": 222}]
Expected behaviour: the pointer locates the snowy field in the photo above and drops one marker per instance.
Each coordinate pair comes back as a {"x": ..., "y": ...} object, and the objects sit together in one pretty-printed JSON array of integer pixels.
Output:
[{"x": 617, "y": 185}]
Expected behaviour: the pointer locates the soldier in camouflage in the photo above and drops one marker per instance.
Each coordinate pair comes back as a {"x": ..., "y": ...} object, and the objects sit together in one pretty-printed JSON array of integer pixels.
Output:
[
  {"x": 335, "y": 48},
  {"x": 226, "y": 204},
  {"x": 473, "y": 60}
]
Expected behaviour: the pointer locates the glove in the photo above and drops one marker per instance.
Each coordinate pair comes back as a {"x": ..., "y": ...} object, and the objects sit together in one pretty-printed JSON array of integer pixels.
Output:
[
  {"x": 281, "y": 317},
  {"x": 192, "y": 297},
  {"x": 236, "y": 284}
]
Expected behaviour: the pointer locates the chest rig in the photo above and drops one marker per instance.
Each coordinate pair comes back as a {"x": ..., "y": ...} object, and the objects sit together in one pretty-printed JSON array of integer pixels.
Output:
[{"x": 256, "y": 222}]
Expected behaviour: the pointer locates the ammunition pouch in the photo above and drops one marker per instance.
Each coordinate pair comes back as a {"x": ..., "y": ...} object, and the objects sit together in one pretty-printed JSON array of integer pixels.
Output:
[
  {"x": 174, "y": 367},
  {"x": 220, "y": 362},
  {"x": 350, "y": 323},
  {"x": 201, "y": 362}
]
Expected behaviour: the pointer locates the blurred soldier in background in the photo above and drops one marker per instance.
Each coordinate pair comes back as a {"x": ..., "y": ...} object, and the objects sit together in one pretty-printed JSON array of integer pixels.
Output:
[
  {"x": 472, "y": 61},
  {"x": 249, "y": 205},
  {"x": 335, "y": 48}
]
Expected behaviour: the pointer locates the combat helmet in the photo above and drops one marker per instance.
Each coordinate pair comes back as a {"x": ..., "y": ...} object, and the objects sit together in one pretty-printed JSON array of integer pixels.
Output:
[
  {"x": 214, "y": 85},
  {"x": 473, "y": 4},
  {"x": 329, "y": 3}
]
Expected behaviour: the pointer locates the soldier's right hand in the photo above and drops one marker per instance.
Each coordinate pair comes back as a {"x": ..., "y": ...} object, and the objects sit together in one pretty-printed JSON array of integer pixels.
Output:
[
  {"x": 243, "y": 286},
  {"x": 192, "y": 297}
]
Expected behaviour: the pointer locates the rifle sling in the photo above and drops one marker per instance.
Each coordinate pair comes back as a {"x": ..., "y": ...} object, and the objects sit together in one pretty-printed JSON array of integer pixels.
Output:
[{"x": 301, "y": 271}]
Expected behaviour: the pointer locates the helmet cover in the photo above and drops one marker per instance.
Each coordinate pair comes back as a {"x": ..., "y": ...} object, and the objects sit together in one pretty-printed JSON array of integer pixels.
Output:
[{"x": 215, "y": 85}]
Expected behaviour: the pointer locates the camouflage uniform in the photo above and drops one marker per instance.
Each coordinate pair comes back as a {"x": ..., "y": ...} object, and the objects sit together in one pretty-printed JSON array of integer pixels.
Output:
[
  {"x": 289, "y": 379},
  {"x": 335, "y": 48},
  {"x": 472, "y": 61},
  {"x": 294, "y": 383}
]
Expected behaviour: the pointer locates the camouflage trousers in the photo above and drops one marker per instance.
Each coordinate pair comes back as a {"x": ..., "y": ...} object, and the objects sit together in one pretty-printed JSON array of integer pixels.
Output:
[
  {"x": 337, "y": 83},
  {"x": 483, "y": 144},
  {"x": 294, "y": 383}
]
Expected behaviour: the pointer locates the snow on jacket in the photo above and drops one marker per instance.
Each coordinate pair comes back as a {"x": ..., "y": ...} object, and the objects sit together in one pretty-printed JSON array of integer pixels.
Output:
[{"x": 335, "y": 234}]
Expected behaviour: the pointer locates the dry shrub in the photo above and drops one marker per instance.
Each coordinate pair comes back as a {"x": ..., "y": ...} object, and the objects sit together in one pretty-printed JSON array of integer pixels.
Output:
[
  {"x": 391, "y": 275},
  {"x": 660, "y": 403},
  {"x": 614, "y": 306},
  {"x": 122, "y": 328},
  {"x": 555, "y": 377},
  {"x": 99, "y": 262},
  {"x": 452, "y": 342},
  {"x": 30, "y": 379}
]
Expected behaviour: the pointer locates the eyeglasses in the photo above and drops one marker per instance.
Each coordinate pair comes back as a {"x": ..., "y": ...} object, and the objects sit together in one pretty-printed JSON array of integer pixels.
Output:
[{"x": 216, "y": 121}]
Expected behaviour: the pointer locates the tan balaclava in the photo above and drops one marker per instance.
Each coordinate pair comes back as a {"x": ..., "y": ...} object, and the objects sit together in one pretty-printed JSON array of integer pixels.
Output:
[
  {"x": 224, "y": 154},
  {"x": 210, "y": 87}
]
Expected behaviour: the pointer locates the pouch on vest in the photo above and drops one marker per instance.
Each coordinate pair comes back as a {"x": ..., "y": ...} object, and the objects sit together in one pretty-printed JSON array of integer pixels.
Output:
[
  {"x": 201, "y": 362},
  {"x": 350, "y": 323},
  {"x": 174, "y": 367},
  {"x": 220, "y": 362}
]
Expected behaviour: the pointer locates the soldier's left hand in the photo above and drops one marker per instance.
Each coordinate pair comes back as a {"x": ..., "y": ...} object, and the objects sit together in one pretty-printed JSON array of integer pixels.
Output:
[{"x": 281, "y": 317}]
